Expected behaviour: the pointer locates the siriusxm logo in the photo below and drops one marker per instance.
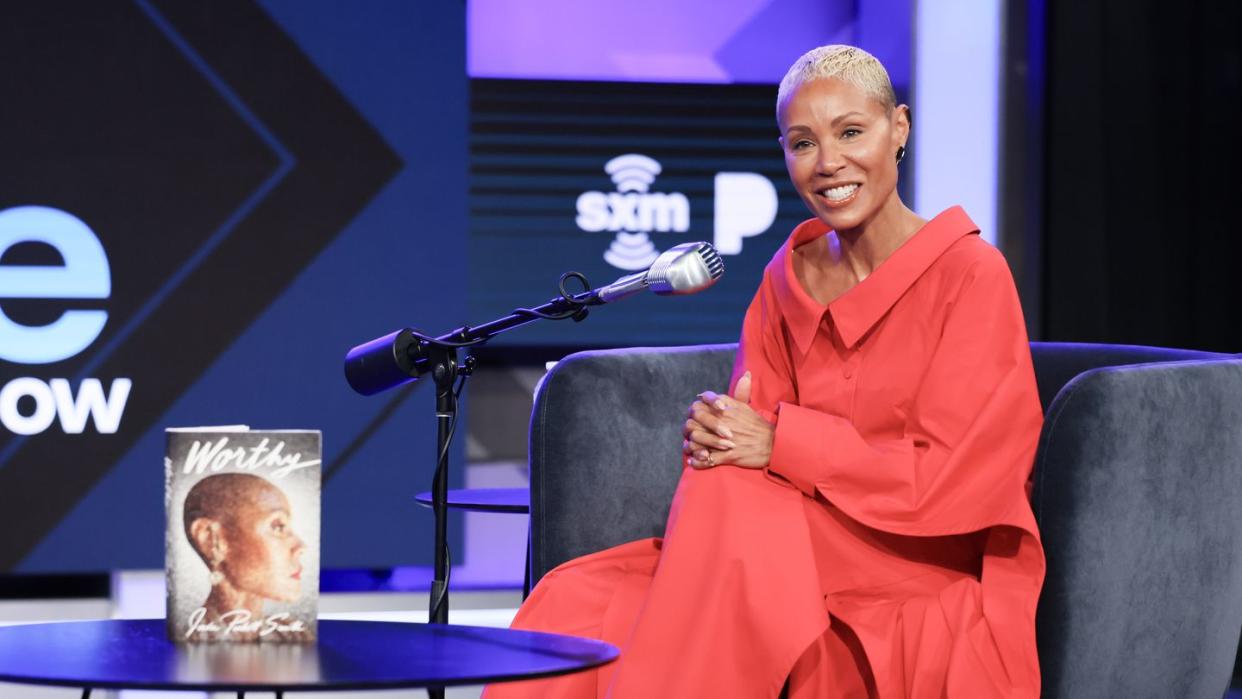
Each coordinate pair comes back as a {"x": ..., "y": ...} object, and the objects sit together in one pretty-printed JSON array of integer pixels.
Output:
[
  {"x": 633, "y": 211},
  {"x": 84, "y": 275},
  {"x": 745, "y": 206}
]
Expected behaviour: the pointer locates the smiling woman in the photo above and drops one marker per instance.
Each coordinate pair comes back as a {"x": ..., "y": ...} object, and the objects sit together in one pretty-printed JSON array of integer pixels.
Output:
[
  {"x": 851, "y": 518},
  {"x": 844, "y": 135}
]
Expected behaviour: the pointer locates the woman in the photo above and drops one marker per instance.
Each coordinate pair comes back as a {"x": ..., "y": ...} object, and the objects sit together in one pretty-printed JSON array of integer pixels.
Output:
[
  {"x": 241, "y": 526},
  {"x": 854, "y": 520}
]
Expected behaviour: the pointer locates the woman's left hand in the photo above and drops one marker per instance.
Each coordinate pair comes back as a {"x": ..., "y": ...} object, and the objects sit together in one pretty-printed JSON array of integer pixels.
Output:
[{"x": 733, "y": 419}]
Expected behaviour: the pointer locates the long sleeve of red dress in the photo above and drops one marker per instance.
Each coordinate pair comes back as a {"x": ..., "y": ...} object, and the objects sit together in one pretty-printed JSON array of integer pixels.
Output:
[{"x": 931, "y": 478}]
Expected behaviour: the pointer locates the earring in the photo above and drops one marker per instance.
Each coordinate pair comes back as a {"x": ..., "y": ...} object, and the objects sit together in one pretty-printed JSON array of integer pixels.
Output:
[
  {"x": 901, "y": 153},
  {"x": 216, "y": 577}
]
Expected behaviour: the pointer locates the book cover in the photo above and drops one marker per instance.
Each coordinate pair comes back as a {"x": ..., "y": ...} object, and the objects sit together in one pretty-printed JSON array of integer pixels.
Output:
[{"x": 242, "y": 536}]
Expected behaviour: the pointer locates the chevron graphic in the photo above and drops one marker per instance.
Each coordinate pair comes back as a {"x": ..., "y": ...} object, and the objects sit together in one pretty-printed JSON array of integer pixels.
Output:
[{"x": 229, "y": 174}]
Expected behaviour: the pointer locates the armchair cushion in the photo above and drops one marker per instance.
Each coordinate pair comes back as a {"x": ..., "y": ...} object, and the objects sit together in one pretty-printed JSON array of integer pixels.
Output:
[{"x": 605, "y": 445}]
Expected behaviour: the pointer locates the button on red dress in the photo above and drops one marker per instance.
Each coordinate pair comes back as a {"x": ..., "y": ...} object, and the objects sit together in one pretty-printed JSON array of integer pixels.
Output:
[{"x": 888, "y": 550}]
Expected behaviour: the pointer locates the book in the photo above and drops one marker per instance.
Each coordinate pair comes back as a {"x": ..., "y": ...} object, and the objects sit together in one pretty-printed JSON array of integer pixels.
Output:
[{"x": 242, "y": 534}]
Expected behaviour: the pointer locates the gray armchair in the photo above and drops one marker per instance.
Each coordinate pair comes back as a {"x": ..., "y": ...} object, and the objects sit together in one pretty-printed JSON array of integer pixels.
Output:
[{"x": 1138, "y": 492}]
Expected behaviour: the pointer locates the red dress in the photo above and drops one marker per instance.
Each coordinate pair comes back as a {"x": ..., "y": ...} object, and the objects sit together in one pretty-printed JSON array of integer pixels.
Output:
[{"x": 888, "y": 550}]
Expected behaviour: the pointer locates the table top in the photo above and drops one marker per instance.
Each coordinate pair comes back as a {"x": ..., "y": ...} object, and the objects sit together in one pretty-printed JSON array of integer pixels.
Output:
[
  {"x": 136, "y": 654},
  {"x": 484, "y": 499}
]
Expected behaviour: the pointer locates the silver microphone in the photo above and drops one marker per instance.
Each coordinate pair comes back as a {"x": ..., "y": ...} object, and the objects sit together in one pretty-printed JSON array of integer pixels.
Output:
[{"x": 682, "y": 269}]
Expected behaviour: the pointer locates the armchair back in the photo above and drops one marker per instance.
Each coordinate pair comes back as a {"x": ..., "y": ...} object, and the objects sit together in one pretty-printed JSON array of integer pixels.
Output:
[{"x": 1137, "y": 488}]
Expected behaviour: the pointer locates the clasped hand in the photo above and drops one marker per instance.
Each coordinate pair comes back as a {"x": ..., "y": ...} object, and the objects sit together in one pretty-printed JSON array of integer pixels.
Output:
[{"x": 726, "y": 430}]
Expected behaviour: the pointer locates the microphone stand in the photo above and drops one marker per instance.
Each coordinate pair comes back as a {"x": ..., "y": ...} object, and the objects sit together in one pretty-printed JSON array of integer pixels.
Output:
[
  {"x": 406, "y": 355},
  {"x": 439, "y": 356}
]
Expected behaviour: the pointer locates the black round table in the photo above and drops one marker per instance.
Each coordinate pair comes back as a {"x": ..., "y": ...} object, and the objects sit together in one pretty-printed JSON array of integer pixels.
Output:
[
  {"x": 349, "y": 655},
  {"x": 511, "y": 500},
  {"x": 507, "y": 500}
]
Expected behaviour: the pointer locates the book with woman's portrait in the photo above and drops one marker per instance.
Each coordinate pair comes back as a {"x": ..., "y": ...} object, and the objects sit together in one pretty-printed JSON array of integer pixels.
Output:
[{"x": 242, "y": 537}]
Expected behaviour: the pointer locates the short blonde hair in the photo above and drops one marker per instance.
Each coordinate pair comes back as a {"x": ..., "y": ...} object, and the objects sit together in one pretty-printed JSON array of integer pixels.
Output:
[{"x": 849, "y": 64}]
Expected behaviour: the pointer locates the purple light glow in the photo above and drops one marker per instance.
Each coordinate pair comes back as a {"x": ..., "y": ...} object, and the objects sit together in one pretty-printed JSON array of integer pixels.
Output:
[{"x": 700, "y": 41}]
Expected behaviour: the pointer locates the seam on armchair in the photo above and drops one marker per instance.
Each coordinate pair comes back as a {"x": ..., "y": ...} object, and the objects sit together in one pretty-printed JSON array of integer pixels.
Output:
[
  {"x": 1059, "y": 407},
  {"x": 540, "y": 554}
]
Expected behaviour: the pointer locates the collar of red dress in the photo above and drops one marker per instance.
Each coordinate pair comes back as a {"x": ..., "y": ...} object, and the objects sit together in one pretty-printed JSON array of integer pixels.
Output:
[{"x": 857, "y": 310}]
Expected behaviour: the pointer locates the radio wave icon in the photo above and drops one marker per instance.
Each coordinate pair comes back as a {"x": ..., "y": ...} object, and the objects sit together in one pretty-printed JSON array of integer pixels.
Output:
[
  {"x": 632, "y": 172},
  {"x": 631, "y": 251}
]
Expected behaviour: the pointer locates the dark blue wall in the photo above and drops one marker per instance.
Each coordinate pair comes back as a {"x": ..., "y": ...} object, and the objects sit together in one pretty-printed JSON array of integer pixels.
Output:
[{"x": 292, "y": 182}]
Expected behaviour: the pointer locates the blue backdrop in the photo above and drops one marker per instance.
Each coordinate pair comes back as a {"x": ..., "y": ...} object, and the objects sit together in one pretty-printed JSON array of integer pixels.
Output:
[{"x": 310, "y": 157}]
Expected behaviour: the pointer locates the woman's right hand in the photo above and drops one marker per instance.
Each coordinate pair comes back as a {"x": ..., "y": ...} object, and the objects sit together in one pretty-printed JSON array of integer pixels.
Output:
[
  {"x": 698, "y": 439},
  {"x": 726, "y": 430}
]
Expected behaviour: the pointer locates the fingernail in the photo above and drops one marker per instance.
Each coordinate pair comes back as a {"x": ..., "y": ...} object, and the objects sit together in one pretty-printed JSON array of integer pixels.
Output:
[
  {"x": 725, "y": 432},
  {"x": 700, "y": 455},
  {"x": 727, "y": 444},
  {"x": 720, "y": 405}
]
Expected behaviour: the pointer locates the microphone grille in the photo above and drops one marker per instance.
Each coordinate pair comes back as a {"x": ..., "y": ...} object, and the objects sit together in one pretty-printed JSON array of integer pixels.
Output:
[
  {"x": 685, "y": 269},
  {"x": 711, "y": 258}
]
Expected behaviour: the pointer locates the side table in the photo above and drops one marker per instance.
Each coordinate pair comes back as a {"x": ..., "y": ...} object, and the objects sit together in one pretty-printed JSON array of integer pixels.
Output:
[
  {"x": 349, "y": 655},
  {"x": 494, "y": 500}
]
